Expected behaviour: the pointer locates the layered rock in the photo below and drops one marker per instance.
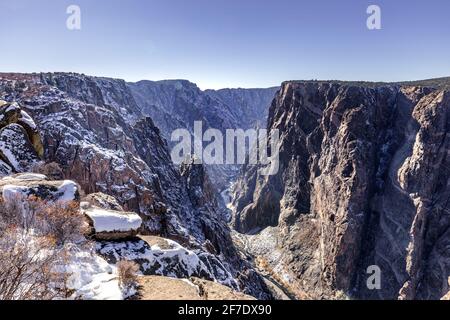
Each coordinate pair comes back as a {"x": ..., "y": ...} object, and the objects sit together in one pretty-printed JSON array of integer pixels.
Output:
[{"x": 362, "y": 182}]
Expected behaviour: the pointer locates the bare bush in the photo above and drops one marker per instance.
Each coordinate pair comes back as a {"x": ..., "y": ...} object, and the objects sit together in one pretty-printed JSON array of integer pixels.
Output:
[
  {"x": 52, "y": 170},
  {"x": 63, "y": 221},
  {"x": 127, "y": 271},
  {"x": 11, "y": 213},
  {"x": 26, "y": 266}
]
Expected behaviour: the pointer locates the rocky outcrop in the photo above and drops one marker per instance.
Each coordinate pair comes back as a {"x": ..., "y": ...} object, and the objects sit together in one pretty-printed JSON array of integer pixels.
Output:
[
  {"x": 362, "y": 182},
  {"x": 159, "y": 256},
  {"x": 20, "y": 142},
  {"x": 27, "y": 184},
  {"x": 107, "y": 224},
  {"x": 163, "y": 288},
  {"x": 200, "y": 189},
  {"x": 103, "y": 201}
]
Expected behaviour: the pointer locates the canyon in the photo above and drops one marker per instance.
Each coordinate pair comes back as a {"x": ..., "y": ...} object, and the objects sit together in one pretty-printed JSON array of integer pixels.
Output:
[{"x": 363, "y": 178}]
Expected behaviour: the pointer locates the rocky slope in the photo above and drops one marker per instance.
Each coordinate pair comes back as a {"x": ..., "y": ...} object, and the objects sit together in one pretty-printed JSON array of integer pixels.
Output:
[
  {"x": 363, "y": 181},
  {"x": 175, "y": 104},
  {"x": 94, "y": 129}
]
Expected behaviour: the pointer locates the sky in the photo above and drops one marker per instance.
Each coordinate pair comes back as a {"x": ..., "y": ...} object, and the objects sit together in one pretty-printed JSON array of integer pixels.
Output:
[{"x": 228, "y": 43}]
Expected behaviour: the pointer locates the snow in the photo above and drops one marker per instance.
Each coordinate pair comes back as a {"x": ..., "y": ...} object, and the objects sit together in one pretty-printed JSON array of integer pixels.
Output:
[
  {"x": 25, "y": 118},
  {"x": 68, "y": 190},
  {"x": 9, "y": 156},
  {"x": 110, "y": 221},
  {"x": 11, "y": 192},
  {"x": 175, "y": 262},
  {"x": 91, "y": 276},
  {"x": 13, "y": 106}
]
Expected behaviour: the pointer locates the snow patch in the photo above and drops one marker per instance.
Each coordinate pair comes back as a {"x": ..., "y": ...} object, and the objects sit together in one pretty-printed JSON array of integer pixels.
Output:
[
  {"x": 91, "y": 276},
  {"x": 68, "y": 190},
  {"x": 25, "y": 118},
  {"x": 110, "y": 221},
  {"x": 12, "y": 107},
  {"x": 11, "y": 192}
]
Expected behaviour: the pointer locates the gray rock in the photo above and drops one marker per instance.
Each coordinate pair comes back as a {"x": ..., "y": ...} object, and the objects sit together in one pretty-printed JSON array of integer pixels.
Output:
[{"x": 362, "y": 181}]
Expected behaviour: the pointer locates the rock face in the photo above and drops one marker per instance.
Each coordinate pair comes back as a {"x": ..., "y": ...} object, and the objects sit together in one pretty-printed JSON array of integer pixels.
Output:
[
  {"x": 20, "y": 142},
  {"x": 363, "y": 181},
  {"x": 176, "y": 104},
  {"x": 96, "y": 132},
  {"x": 103, "y": 201},
  {"x": 250, "y": 106}
]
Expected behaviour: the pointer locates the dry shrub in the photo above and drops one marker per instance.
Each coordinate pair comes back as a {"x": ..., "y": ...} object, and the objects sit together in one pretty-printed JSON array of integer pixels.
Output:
[
  {"x": 52, "y": 170},
  {"x": 11, "y": 213},
  {"x": 26, "y": 266},
  {"x": 63, "y": 221},
  {"x": 33, "y": 238},
  {"x": 127, "y": 271}
]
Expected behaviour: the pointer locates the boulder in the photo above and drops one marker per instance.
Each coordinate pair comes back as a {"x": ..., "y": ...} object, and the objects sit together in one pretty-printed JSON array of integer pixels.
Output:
[{"x": 111, "y": 224}]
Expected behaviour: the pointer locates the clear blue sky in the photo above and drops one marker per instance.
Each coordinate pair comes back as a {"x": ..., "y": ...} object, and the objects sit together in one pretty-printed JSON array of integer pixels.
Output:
[{"x": 228, "y": 43}]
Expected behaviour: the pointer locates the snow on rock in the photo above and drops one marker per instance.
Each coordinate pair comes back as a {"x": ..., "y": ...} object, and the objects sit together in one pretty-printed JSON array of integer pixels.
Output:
[
  {"x": 16, "y": 148},
  {"x": 12, "y": 107},
  {"x": 113, "y": 221},
  {"x": 25, "y": 118},
  {"x": 104, "y": 201},
  {"x": 67, "y": 191},
  {"x": 164, "y": 257},
  {"x": 11, "y": 192},
  {"x": 25, "y": 185},
  {"x": 91, "y": 276},
  {"x": 4, "y": 169}
]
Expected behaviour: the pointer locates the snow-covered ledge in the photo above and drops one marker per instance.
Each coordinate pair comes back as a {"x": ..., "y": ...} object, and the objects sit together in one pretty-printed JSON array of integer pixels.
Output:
[{"x": 111, "y": 224}]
